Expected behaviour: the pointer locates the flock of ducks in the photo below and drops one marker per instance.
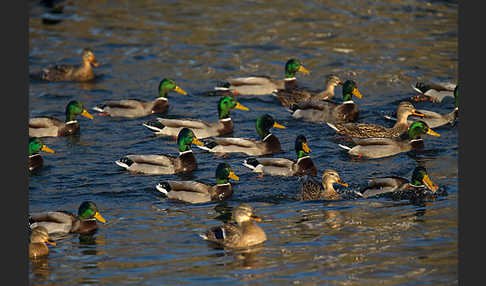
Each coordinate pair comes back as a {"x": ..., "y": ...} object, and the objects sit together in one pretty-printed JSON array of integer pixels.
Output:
[{"x": 369, "y": 140}]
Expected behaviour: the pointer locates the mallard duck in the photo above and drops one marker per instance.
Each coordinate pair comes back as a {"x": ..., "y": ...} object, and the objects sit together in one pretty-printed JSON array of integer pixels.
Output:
[
  {"x": 35, "y": 159},
  {"x": 261, "y": 85},
  {"x": 269, "y": 143},
  {"x": 165, "y": 164},
  {"x": 329, "y": 111},
  {"x": 83, "y": 72},
  {"x": 202, "y": 129},
  {"x": 434, "y": 92},
  {"x": 133, "y": 108},
  {"x": 198, "y": 192},
  {"x": 287, "y": 97},
  {"x": 373, "y": 148},
  {"x": 368, "y": 130},
  {"x": 312, "y": 190},
  {"x": 62, "y": 222},
  {"x": 38, "y": 239},
  {"x": 47, "y": 126},
  {"x": 241, "y": 233},
  {"x": 284, "y": 166}
]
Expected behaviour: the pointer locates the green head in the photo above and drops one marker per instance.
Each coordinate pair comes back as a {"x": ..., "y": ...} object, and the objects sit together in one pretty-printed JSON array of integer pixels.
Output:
[
  {"x": 419, "y": 128},
  {"x": 225, "y": 104},
  {"x": 167, "y": 85},
  {"x": 350, "y": 89},
  {"x": 88, "y": 211},
  {"x": 421, "y": 178},
  {"x": 301, "y": 146},
  {"x": 264, "y": 123},
  {"x": 36, "y": 145},
  {"x": 185, "y": 138},
  {"x": 292, "y": 67},
  {"x": 456, "y": 94},
  {"x": 224, "y": 173},
  {"x": 74, "y": 108}
]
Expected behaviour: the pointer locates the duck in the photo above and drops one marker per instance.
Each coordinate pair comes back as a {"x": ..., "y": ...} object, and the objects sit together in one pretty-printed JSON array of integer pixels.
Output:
[
  {"x": 201, "y": 129},
  {"x": 35, "y": 159},
  {"x": 241, "y": 233},
  {"x": 373, "y": 148},
  {"x": 368, "y": 130},
  {"x": 134, "y": 108},
  {"x": 312, "y": 190},
  {"x": 431, "y": 91},
  {"x": 283, "y": 166},
  {"x": 83, "y": 72},
  {"x": 37, "y": 246},
  {"x": 287, "y": 97},
  {"x": 198, "y": 192},
  {"x": 63, "y": 222},
  {"x": 263, "y": 85},
  {"x": 48, "y": 126},
  {"x": 165, "y": 164},
  {"x": 269, "y": 143},
  {"x": 327, "y": 110}
]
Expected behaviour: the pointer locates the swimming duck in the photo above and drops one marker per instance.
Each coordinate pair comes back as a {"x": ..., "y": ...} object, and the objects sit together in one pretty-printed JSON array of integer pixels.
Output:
[
  {"x": 165, "y": 164},
  {"x": 83, "y": 72},
  {"x": 434, "y": 92},
  {"x": 62, "y": 222},
  {"x": 261, "y": 85},
  {"x": 47, "y": 126},
  {"x": 202, "y": 129},
  {"x": 241, "y": 233},
  {"x": 133, "y": 108},
  {"x": 37, "y": 245},
  {"x": 373, "y": 148},
  {"x": 287, "y": 97},
  {"x": 312, "y": 190},
  {"x": 269, "y": 143},
  {"x": 368, "y": 130},
  {"x": 284, "y": 166},
  {"x": 329, "y": 111},
  {"x": 35, "y": 159},
  {"x": 198, "y": 192}
]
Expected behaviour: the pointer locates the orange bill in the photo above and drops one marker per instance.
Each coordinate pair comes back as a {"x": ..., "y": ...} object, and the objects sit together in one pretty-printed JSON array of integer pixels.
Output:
[
  {"x": 85, "y": 113},
  {"x": 197, "y": 142},
  {"x": 278, "y": 125},
  {"x": 241, "y": 107},
  {"x": 342, "y": 183},
  {"x": 417, "y": 113},
  {"x": 305, "y": 147},
  {"x": 303, "y": 70},
  {"x": 99, "y": 217},
  {"x": 94, "y": 62},
  {"x": 255, "y": 218},
  {"x": 233, "y": 176},
  {"x": 50, "y": 242},
  {"x": 430, "y": 185},
  {"x": 432, "y": 132},
  {"x": 357, "y": 93},
  {"x": 47, "y": 149}
]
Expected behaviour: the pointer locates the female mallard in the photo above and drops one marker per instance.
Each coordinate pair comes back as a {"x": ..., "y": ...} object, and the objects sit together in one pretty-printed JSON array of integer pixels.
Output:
[
  {"x": 165, "y": 164},
  {"x": 83, "y": 72},
  {"x": 434, "y": 92},
  {"x": 171, "y": 127},
  {"x": 242, "y": 233},
  {"x": 198, "y": 192},
  {"x": 373, "y": 148},
  {"x": 312, "y": 190},
  {"x": 133, "y": 108},
  {"x": 368, "y": 130},
  {"x": 35, "y": 159},
  {"x": 329, "y": 111},
  {"x": 62, "y": 222},
  {"x": 261, "y": 85},
  {"x": 46, "y": 126},
  {"x": 288, "y": 97},
  {"x": 269, "y": 143},
  {"x": 284, "y": 166},
  {"x": 37, "y": 245}
]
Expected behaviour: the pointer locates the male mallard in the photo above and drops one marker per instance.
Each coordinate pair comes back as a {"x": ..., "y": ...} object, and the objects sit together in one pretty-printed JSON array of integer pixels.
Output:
[
  {"x": 171, "y": 127},
  {"x": 312, "y": 190},
  {"x": 373, "y": 148},
  {"x": 261, "y": 85},
  {"x": 45, "y": 126},
  {"x": 284, "y": 166},
  {"x": 198, "y": 192},
  {"x": 133, "y": 108},
  {"x": 37, "y": 245},
  {"x": 63, "y": 222},
  {"x": 287, "y": 97},
  {"x": 368, "y": 130},
  {"x": 165, "y": 164},
  {"x": 434, "y": 92},
  {"x": 269, "y": 143},
  {"x": 330, "y": 111},
  {"x": 83, "y": 72},
  {"x": 35, "y": 159},
  {"x": 243, "y": 233}
]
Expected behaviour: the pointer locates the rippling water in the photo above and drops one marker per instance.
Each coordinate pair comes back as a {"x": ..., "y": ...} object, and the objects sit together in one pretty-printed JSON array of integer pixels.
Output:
[{"x": 384, "y": 46}]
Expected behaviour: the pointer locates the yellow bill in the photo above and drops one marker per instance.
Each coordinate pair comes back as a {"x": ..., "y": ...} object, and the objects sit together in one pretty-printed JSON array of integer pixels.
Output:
[
  {"x": 99, "y": 217},
  {"x": 241, "y": 107},
  {"x": 278, "y": 125},
  {"x": 255, "y": 218},
  {"x": 432, "y": 132},
  {"x": 85, "y": 113},
  {"x": 233, "y": 176},
  {"x": 46, "y": 149},
  {"x": 417, "y": 113},
  {"x": 430, "y": 185},
  {"x": 180, "y": 90},
  {"x": 357, "y": 93},
  {"x": 303, "y": 70},
  {"x": 197, "y": 142},
  {"x": 305, "y": 147}
]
